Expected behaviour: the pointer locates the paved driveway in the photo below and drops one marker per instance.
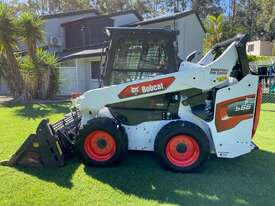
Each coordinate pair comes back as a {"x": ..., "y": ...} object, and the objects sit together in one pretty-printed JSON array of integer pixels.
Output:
[{"x": 4, "y": 99}]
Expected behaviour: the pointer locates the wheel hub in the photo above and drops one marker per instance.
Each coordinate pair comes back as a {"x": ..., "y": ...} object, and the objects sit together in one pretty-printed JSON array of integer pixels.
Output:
[
  {"x": 101, "y": 143},
  {"x": 100, "y": 146},
  {"x": 181, "y": 148}
]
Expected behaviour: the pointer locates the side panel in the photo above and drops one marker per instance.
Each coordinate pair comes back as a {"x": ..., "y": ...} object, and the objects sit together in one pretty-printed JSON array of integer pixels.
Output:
[
  {"x": 233, "y": 121},
  {"x": 142, "y": 136}
]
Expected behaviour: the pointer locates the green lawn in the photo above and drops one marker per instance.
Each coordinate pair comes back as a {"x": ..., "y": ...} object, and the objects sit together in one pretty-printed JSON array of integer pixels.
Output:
[{"x": 139, "y": 179}]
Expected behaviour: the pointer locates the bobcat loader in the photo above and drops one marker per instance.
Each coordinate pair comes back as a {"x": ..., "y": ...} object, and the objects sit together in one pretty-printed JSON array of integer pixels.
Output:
[{"x": 150, "y": 101}]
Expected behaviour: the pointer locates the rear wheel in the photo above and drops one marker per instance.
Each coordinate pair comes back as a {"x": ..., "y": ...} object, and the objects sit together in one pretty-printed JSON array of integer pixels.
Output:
[
  {"x": 102, "y": 142},
  {"x": 182, "y": 146}
]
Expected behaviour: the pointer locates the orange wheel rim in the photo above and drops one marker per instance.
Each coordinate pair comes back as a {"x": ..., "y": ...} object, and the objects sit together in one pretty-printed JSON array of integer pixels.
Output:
[
  {"x": 182, "y": 150},
  {"x": 100, "y": 146}
]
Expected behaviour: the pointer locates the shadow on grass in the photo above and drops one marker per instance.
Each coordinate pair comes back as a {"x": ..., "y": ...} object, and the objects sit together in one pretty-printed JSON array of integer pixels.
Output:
[
  {"x": 242, "y": 181},
  {"x": 248, "y": 180},
  {"x": 33, "y": 111},
  {"x": 61, "y": 176}
]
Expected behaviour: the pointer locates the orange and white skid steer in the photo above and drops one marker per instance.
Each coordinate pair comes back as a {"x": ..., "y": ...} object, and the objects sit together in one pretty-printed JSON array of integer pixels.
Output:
[{"x": 150, "y": 101}]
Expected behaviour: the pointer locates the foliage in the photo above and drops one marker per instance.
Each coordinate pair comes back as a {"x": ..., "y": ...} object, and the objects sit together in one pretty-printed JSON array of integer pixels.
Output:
[
  {"x": 8, "y": 29},
  {"x": 30, "y": 30},
  {"x": 40, "y": 74},
  {"x": 255, "y": 17},
  {"x": 8, "y": 41},
  {"x": 266, "y": 19},
  {"x": 229, "y": 31},
  {"x": 206, "y": 7},
  {"x": 213, "y": 26},
  {"x": 33, "y": 75},
  {"x": 142, "y": 7},
  {"x": 49, "y": 6},
  {"x": 252, "y": 58},
  {"x": 56, "y": 6},
  {"x": 47, "y": 65},
  {"x": 108, "y": 6}
]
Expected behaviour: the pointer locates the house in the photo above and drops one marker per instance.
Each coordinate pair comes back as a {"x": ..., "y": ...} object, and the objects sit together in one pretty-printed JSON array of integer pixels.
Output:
[
  {"x": 190, "y": 31},
  {"x": 259, "y": 48},
  {"x": 78, "y": 39},
  {"x": 84, "y": 39}
]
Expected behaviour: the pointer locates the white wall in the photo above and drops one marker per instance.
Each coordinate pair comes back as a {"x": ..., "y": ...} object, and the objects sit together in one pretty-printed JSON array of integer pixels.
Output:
[
  {"x": 261, "y": 48},
  {"x": 4, "y": 90},
  {"x": 78, "y": 78},
  {"x": 190, "y": 36}
]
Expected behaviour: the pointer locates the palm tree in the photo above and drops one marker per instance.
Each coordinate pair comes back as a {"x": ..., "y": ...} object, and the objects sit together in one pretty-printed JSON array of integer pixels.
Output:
[
  {"x": 8, "y": 32},
  {"x": 213, "y": 26},
  {"x": 30, "y": 28}
]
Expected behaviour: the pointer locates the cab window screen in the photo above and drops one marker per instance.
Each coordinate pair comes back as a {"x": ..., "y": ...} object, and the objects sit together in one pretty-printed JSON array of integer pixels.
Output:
[{"x": 141, "y": 54}]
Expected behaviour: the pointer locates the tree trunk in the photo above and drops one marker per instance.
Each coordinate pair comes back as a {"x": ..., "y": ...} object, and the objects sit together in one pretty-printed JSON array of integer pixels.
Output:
[
  {"x": 14, "y": 78},
  {"x": 43, "y": 85}
]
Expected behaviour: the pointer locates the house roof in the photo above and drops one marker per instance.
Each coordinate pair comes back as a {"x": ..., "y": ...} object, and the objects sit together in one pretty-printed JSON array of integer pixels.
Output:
[
  {"x": 143, "y": 31},
  {"x": 169, "y": 17},
  {"x": 70, "y": 13},
  {"x": 120, "y": 13},
  {"x": 82, "y": 54}
]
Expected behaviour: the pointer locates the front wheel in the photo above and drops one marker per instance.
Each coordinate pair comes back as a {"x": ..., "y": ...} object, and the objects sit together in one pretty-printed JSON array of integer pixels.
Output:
[
  {"x": 102, "y": 142},
  {"x": 182, "y": 146}
]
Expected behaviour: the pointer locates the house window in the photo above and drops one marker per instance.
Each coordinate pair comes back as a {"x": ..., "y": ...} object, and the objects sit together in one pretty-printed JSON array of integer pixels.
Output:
[
  {"x": 95, "y": 70},
  {"x": 250, "y": 48}
]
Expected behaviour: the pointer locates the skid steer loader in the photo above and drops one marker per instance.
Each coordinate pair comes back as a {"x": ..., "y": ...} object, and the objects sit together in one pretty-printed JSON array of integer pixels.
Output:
[{"x": 150, "y": 101}]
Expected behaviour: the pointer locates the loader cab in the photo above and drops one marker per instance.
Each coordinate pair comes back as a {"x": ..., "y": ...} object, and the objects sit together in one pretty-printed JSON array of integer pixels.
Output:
[{"x": 137, "y": 53}]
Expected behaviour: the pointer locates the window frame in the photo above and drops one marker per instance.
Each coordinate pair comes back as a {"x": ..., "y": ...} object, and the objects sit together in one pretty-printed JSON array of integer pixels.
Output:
[{"x": 171, "y": 55}]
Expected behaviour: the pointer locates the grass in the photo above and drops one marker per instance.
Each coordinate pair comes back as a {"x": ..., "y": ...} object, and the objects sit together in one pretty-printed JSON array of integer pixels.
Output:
[{"x": 139, "y": 179}]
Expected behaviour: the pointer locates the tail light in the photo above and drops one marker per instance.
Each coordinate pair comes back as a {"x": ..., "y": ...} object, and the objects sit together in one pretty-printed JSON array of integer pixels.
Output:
[{"x": 258, "y": 109}]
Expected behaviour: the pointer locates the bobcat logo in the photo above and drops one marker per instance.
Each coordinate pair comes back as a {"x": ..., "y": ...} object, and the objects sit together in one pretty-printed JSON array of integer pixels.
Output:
[{"x": 135, "y": 90}]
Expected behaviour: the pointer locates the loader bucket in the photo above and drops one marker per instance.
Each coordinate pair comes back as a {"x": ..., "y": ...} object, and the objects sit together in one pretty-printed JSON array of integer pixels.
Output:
[{"x": 49, "y": 146}]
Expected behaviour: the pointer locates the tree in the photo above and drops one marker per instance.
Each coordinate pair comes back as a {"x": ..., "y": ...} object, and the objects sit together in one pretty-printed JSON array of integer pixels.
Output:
[
  {"x": 38, "y": 67},
  {"x": 142, "y": 7},
  {"x": 213, "y": 26},
  {"x": 167, "y": 6},
  {"x": 266, "y": 20},
  {"x": 56, "y": 6},
  {"x": 8, "y": 40},
  {"x": 31, "y": 32},
  {"x": 109, "y": 6},
  {"x": 41, "y": 75},
  {"x": 42, "y": 7},
  {"x": 206, "y": 7},
  {"x": 230, "y": 29}
]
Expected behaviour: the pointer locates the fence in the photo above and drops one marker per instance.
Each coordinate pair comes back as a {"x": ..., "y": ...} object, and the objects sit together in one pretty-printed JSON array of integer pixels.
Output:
[{"x": 267, "y": 77}]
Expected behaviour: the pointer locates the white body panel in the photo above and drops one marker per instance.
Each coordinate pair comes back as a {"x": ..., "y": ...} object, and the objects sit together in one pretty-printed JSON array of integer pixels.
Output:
[
  {"x": 214, "y": 74},
  {"x": 236, "y": 141}
]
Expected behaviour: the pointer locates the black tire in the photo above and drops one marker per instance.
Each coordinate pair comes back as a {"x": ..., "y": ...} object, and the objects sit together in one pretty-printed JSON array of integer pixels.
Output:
[
  {"x": 109, "y": 126},
  {"x": 173, "y": 129}
]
